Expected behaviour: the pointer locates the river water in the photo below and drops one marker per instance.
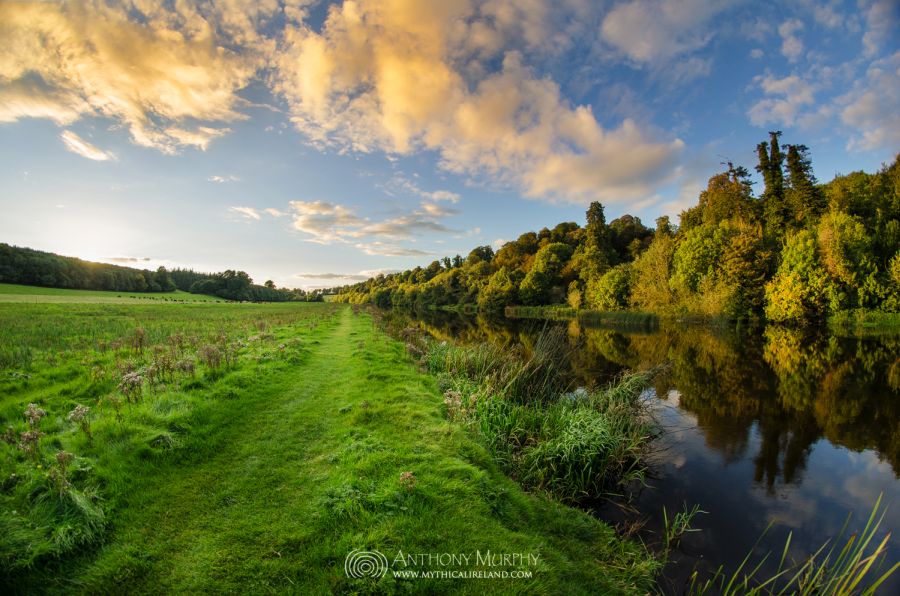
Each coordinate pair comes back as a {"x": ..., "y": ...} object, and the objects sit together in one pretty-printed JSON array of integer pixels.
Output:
[{"x": 767, "y": 428}]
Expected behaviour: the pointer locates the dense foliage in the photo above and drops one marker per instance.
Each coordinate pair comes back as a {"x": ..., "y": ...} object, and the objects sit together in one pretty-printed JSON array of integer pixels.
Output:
[
  {"x": 26, "y": 266},
  {"x": 37, "y": 268},
  {"x": 798, "y": 252}
]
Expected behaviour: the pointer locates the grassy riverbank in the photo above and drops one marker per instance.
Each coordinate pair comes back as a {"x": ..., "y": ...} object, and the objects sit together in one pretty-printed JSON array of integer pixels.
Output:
[{"x": 250, "y": 448}]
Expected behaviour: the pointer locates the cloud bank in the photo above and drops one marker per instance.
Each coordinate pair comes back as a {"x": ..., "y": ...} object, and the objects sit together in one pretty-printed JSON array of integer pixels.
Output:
[{"x": 399, "y": 76}]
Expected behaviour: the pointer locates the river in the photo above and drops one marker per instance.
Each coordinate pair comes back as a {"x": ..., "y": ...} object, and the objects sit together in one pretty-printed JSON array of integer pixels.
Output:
[{"x": 762, "y": 428}]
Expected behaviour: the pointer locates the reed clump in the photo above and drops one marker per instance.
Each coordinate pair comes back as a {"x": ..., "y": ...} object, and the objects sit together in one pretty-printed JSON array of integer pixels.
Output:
[{"x": 573, "y": 445}]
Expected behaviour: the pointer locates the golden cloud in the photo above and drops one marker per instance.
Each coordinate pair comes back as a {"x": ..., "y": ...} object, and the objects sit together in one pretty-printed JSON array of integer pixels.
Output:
[
  {"x": 454, "y": 77},
  {"x": 396, "y": 76},
  {"x": 165, "y": 79}
]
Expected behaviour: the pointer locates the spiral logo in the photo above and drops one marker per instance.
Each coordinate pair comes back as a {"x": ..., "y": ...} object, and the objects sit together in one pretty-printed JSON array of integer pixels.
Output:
[{"x": 365, "y": 563}]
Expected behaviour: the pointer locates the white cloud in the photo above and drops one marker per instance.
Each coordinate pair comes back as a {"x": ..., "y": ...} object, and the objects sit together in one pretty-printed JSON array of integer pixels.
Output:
[
  {"x": 274, "y": 212},
  {"x": 757, "y": 30},
  {"x": 648, "y": 31},
  {"x": 325, "y": 222},
  {"x": 127, "y": 259},
  {"x": 404, "y": 184},
  {"x": 792, "y": 94},
  {"x": 361, "y": 276},
  {"x": 756, "y": 53},
  {"x": 390, "y": 250},
  {"x": 435, "y": 210},
  {"x": 328, "y": 223},
  {"x": 248, "y": 212},
  {"x": 223, "y": 179},
  {"x": 79, "y": 146},
  {"x": 872, "y": 108},
  {"x": 882, "y": 24},
  {"x": 826, "y": 14},
  {"x": 791, "y": 46}
]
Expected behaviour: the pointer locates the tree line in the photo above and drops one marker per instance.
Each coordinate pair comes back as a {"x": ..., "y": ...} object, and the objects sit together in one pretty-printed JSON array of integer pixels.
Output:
[
  {"x": 797, "y": 252},
  {"x": 26, "y": 266}
]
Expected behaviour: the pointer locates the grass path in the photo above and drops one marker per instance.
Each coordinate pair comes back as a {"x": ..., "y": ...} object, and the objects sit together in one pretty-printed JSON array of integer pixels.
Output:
[{"x": 270, "y": 493}]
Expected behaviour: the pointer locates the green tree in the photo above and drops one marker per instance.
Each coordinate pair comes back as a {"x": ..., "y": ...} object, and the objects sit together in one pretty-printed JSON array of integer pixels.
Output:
[
  {"x": 806, "y": 199},
  {"x": 544, "y": 276},
  {"x": 612, "y": 290},
  {"x": 801, "y": 288},
  {"x": 775, "y": 210},
  {"x": 845, "y": 250},
  {"x": 499, "y": 292},
  {"x": 650, "y": 288}
]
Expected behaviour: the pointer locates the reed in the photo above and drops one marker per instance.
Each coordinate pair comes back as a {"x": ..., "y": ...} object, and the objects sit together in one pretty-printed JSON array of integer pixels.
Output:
[
  {"x": 850, "y": 565},
  {"x": 571, "y": 444}
]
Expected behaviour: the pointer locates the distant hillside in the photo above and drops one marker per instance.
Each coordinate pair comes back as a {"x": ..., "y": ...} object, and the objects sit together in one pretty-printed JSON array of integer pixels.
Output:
[{"x": 26, "y": 266}]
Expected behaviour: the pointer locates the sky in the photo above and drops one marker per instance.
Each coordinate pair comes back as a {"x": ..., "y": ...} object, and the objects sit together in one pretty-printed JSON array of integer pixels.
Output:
[{"x": 318, "y": 143}]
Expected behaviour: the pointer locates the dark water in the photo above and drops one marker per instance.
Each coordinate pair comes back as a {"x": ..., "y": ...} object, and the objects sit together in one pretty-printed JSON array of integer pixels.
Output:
[{"x": 775, "y": 426}]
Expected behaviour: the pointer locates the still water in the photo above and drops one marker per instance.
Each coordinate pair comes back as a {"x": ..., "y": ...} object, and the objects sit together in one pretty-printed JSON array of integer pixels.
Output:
[{"x": 775, "y": 426}]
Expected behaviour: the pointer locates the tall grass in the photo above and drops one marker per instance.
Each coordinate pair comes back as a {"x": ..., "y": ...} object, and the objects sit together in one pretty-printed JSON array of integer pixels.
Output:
[
  {"x": 571, "y": 444},
  {"x": 104, "y": 387},
  {"x": 845, "y": 566}
]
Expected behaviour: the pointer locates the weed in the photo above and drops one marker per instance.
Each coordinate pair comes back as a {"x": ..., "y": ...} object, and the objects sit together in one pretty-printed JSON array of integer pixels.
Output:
[
  {"x": 80, "y": 417},
  {"x": 408, "y": 481}
]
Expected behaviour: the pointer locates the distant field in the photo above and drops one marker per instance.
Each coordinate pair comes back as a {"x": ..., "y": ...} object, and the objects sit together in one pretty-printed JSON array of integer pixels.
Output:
[{"x": 17, "y": 293}]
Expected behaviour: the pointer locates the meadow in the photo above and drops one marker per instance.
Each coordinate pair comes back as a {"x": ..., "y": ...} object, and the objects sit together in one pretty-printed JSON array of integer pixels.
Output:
[{"x": 241, "y": 447}]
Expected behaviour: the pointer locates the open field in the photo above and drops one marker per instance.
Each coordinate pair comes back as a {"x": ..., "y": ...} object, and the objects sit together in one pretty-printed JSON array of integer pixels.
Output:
[
  {"x": 250, "y": 448},
  {"x": 19, "y": 293}
]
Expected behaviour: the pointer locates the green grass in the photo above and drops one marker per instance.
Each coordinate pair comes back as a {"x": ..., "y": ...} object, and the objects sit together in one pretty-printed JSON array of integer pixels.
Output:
[
  {"x": 319, "y": 438},
  {"x": 18, "y": 293},
  {"x": 571, "y": 445}
]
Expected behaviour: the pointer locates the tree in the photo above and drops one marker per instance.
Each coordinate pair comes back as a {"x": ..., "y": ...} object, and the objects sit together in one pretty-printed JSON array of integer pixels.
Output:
[
  {"x": 499, "y": 293},
  {"x": 845, "y": 250},
  {"x": 628, "y": 237},
  {"x": 799, "y": 292},
  {"x": 650, "y": 288},
  {"x": 538, "y": 285},
  {"x": 270, "y": 284},
  {"x": 728, "y": 195},
  {"x": 612, "y": 291},
  {"x": 775, "y": 211},
  {"x": 479, "y": 254},
  {"x": 805, "y": 198},
  {"x": 595, "y": 255}
]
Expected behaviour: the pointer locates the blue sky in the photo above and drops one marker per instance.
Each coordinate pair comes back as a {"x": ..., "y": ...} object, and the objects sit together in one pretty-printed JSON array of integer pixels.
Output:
[{"x": 315, "y": 143}]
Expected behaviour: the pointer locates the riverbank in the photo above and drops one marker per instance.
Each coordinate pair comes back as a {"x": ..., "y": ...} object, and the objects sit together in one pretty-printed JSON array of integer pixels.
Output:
[
  {"x": 850, "y": 323},
  {"x": 318, "y": 437}
]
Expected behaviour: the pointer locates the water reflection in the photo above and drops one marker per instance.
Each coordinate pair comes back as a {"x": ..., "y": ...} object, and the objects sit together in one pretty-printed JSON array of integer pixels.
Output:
[{"x": 777, "y": 425}]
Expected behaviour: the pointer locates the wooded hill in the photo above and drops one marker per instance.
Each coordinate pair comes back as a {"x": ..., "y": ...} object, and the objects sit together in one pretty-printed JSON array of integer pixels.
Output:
[{"x": 796, "y": 252}]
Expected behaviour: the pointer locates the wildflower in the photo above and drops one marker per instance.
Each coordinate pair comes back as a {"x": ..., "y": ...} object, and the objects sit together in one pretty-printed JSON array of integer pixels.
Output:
[
  {"x": 34, "y": 414},
  {"x": 453, "y": 401},
  {"x": 131, "y": 384},
  {"x": 408, "y": 481},
  {"x": 80, "y": 417},
  {"x": 30, "y": 443}
]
